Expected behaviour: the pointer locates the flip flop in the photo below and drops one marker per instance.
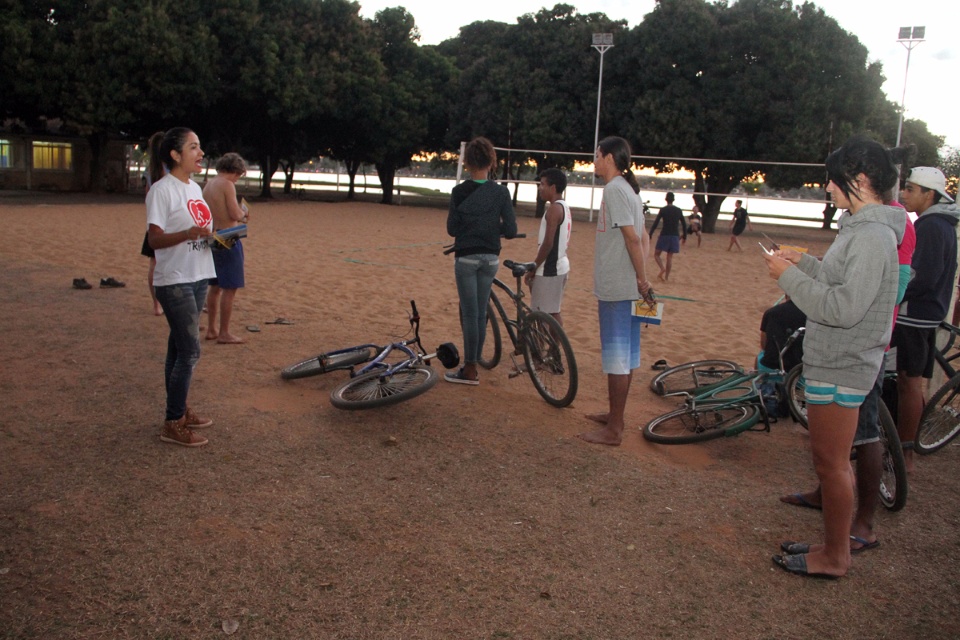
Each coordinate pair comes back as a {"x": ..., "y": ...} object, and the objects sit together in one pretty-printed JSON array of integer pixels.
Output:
[
  {"x": 279, "y": 321},
  {"x": 659, "y": 365},
  {"x": 794, "y": 548},
  {"x": 797, "y": 565},
  {"x": 253, "y": 328},
  {"x": 797, "y": 500},
  {"x": 865, "y": 545}
]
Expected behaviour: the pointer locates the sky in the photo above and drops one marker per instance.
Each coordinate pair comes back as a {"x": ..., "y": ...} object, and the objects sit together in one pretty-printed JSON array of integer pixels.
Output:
[{"x": 933, "y": 82}]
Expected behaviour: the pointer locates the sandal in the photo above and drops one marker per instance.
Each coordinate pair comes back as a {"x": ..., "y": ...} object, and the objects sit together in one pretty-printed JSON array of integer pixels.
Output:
[{"x": 659, "y": 365}]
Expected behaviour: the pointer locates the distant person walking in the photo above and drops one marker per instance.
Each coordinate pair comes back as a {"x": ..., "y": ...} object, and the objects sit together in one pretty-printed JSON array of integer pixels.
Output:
[
  {"x": 694, "y": 225},
  {"x": 669, "y": 240},
  {"x": 548, "y": 282},
  {"x": 739, "y": 222},
  {"x": 480, "y": 212},
  {"x": 221, "y": 194},
  {"x": 619, "y": 278},
  {"x": 178, "y": 221}
]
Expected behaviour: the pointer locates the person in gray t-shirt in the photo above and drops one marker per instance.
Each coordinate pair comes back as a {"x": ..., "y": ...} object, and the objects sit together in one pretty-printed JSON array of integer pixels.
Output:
[{"x": 619, "y": 278}]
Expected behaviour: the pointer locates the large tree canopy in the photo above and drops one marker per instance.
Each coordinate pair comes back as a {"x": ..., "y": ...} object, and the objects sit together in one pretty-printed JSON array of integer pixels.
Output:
[
  {"x": 759, "y": 80},
  {"x": 749, "y": 83}
]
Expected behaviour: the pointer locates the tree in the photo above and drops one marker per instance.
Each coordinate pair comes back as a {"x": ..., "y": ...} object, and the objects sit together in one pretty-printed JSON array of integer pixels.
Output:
[
  {"x": 80, "y": 67},
  {"x": 950, "y": 165},
  {"x": 751, "y": 83},
  {"x": 415, "y": 97}
]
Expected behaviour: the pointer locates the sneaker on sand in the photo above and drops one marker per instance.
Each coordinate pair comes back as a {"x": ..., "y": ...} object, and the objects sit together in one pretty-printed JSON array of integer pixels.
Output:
[
  {"x": 111, "y": 283},
  {"x": 81, "y": 283},
  {"x": 175, "y": 432},
  {"x": 193, "y": 421},
  {"x": 457, "y": 377}
]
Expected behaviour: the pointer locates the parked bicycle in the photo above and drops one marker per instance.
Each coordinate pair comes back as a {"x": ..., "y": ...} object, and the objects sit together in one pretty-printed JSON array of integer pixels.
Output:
[
  {"x": 547, "y": 355},
  {"x": 940, "y": 421},
  {"x": 383, "y": 379}
]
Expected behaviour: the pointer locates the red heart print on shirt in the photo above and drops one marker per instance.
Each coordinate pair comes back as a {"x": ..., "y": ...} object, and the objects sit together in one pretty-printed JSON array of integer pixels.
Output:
[{"x": 200, "y": 212}]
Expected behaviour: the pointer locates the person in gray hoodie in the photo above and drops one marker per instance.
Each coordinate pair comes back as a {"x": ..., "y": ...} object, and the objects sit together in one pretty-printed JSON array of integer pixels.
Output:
[
  {"x": 927, "y": 299},
  {"x": 847, "y": 297}
]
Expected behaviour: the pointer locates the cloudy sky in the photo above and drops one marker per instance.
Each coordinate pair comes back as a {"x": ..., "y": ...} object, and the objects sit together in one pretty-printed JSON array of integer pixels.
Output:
[{"x": 934, "y": 64}]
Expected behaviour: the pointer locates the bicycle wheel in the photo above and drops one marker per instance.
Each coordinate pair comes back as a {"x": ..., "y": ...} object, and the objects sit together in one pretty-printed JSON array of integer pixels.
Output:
[
  {"x": 549, "y": 358},
  {"x": 371, "y": 390},
  {"x": 893, "y": 482},
  {"x": 687, "y": 425},
  {"x": 326, "y": 362},
  {"x": 689, "y": 377},
  {"x": 940, "y": 421},
  {"x": 492, "y": 341},
  {"x": 796, "y": 397}
]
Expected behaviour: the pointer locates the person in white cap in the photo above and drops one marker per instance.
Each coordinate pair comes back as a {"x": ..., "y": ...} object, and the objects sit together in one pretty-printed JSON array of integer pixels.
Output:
[{"x": 927, "y": 298}]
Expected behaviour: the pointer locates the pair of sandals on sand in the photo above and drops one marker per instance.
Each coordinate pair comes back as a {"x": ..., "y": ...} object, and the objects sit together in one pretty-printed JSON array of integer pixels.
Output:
[{"x": 105, "y": 283}]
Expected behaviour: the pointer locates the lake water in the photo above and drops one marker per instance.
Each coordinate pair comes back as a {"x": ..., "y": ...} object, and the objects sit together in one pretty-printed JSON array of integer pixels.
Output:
[{"x": 804, "y": 213}]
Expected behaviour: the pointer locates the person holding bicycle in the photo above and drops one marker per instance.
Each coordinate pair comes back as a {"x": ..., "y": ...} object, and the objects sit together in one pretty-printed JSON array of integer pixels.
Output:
[
  {"x": 848, "y": 297},
  {"x": 550, "y": 278},
  {"x": 619, "y": 278},
  {"x": 480, "y": 213}
]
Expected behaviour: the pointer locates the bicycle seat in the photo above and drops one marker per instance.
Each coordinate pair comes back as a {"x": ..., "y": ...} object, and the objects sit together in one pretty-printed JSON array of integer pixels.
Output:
[{"x": 519, "y": 268}]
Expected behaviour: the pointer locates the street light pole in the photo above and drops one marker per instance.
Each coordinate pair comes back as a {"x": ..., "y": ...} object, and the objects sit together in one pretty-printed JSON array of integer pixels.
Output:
[
  {"x": 601, "y": 42},
  {"x": 909, "y": 37}
]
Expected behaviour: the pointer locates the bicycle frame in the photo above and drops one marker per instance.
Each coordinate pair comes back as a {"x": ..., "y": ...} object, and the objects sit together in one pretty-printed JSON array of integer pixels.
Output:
[
  {"x": 512, "y": 326},
  {"x": 940, "y": 355}
]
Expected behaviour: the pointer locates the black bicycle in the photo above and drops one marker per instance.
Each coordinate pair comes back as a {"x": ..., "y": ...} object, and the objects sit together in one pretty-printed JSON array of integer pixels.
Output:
[
  {"x": 383, "y": 379},
  {"x": 547, "y": 355}
]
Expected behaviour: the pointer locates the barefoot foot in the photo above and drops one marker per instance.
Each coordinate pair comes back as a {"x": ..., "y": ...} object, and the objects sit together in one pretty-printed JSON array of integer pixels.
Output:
[
  {"x": 607, "y": 435},
  {"x": 228, "y": 338},
  {"x": 602, "y": 418}
]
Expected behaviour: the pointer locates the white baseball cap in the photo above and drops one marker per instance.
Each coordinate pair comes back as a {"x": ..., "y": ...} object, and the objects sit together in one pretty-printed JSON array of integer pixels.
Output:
[{"x": 930, "y": 178}]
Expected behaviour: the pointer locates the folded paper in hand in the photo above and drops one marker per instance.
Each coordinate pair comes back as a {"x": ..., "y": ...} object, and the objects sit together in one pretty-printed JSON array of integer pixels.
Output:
[
  {"x": 225, "y": 238},
  {"x": 647, "y": 313}
]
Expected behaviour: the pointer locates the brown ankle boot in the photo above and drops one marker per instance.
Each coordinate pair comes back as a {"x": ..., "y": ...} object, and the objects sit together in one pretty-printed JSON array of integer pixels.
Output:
[
  {"x": 193, "y": 421},
  {"x": 176, "y": 432}
]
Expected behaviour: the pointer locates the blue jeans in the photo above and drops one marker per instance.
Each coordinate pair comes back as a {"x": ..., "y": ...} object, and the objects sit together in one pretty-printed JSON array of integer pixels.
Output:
[
  {"x": 475, "y": 276},
  {"x": 182, "y": 304}
]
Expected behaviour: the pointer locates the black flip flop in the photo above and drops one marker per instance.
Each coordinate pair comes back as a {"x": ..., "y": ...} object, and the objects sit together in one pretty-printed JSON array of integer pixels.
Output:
[{"x": 659, "y": 365}]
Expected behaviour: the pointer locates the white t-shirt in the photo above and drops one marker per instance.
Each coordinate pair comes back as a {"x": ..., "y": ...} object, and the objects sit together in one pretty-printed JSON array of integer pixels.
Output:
[
  {"x": 557, "y": 263},
  {"x": 176, "y": 206}
]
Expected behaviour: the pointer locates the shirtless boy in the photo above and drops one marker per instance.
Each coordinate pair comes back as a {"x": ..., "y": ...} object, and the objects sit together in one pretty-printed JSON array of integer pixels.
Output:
[{"x": 221, "y": 195}]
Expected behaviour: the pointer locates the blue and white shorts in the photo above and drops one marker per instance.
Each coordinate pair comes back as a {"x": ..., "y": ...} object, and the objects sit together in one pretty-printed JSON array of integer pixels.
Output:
[
  {"x": 619, "y": 337},
  {"x": 828, "y": 393}
]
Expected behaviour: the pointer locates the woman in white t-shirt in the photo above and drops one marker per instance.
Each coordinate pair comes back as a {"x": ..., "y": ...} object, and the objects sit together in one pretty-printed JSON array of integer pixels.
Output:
[{"x": 178, "y": 223}]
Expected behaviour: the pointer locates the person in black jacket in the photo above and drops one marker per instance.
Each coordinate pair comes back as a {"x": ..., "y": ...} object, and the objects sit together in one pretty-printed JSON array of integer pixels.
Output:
[
  {"x": 927, "y": 299},
  {"x": 480, "y": 212}
]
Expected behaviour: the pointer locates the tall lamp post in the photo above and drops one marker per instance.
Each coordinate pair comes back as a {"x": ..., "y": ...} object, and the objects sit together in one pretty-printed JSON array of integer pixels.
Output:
[
  {"x": 909, "y": 37},
  {"x": 601, "y": 42}
]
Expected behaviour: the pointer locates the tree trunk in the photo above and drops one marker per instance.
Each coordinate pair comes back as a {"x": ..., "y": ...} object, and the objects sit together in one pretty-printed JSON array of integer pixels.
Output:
[
  {"x": 268, "y": 167},
  {"x": 717, "y": 189},
  {"x": 98, "y": 151},
  {"x": 352, "y": 167},
  {"x": 387, "y": 172},
  {"x": 828, "y": 213}
]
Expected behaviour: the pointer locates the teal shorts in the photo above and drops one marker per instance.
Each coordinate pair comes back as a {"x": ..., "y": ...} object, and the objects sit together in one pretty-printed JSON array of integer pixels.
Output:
[{"x": 827, "y": 393}]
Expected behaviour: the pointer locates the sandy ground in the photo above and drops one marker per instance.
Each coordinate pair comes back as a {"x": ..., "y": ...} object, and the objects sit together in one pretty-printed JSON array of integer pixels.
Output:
[{"x": 464, "y": 513}]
